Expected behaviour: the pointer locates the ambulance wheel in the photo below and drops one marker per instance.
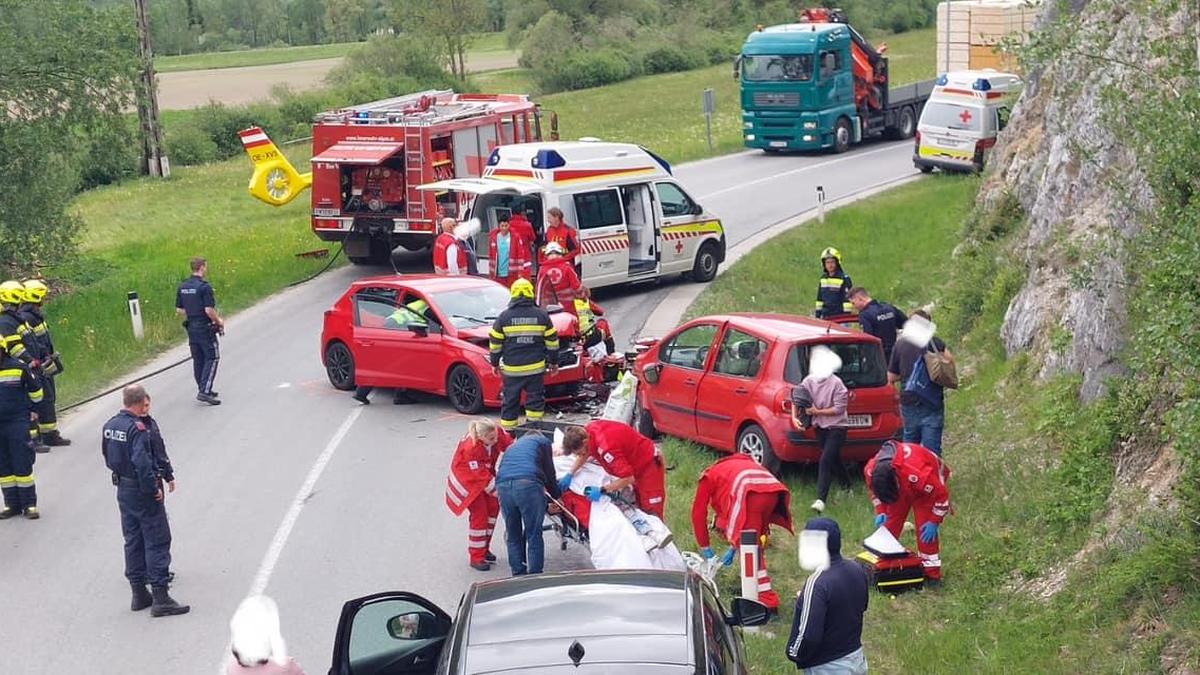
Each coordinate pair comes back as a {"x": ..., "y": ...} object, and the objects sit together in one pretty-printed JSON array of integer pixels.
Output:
[
  {"x": 339, "y": 366},
  {"x": 642, "y": 421},
  {"x": 925, "y": 168},
  {"x": 905, "y": 126},
  {"x": 753, "y": 441},
  {"x": 842, "y": 135},
  {"x": 464, "y": 391},
  {"x": 705, "y": 267}
]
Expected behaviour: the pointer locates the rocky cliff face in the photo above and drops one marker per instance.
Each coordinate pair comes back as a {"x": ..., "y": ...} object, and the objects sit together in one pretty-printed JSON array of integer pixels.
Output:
[{"x": 1081, "y": 189}]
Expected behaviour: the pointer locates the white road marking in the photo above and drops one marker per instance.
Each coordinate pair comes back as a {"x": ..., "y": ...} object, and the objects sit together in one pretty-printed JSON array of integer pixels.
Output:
[
  {"x": 819, "y": 165},
  {"x": 284, "y": 385},
  {"x": 267, "y": 566}
]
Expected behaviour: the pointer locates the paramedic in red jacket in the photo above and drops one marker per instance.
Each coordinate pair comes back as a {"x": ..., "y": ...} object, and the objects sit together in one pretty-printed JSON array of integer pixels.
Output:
[
  {"x": 905, "y": 476},
  {"x": 471, "y": 487},
  {"x": 508, "y": 253},
  {"x": 558, "y": 232},
  {"x": 524, "y": 229},
  {"x": 449, "y": 255},
  {"x": 557, "y": 282},
  {"x": 624, "y": 453},
  {"x": 745, "y": 496}
]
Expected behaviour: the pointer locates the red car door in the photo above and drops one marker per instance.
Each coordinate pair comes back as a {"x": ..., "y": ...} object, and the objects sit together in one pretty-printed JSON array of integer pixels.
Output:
[
  {"x": 728, "y": 387},
  {"x": 371, "y": 307},
  {"x": 682, "y": 359}
]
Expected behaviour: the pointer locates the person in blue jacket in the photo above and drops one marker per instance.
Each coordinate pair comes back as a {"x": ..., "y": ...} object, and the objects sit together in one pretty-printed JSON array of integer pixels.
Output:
[
  {"x": 826, "y": 637},
  {"x": 523, "y": 478},
  {"x": 833, "y": 290}
]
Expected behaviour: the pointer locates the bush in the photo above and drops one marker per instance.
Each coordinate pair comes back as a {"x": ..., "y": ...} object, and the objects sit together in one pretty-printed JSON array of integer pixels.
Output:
[
  {"x": 188, "y": 144},
  {"x": 583, "y": 70},
  {"x": 387, "y": 56},
  {"x": 109, "y": 153},
  {"x": 550, "y": 38},
  {"x": 668, "y": 58}
]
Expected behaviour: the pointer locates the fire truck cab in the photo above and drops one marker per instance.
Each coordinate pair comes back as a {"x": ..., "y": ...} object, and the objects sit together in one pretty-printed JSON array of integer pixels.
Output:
[
  {"x": 634, "y": 221},
  {"x": 368, "y": 161}
]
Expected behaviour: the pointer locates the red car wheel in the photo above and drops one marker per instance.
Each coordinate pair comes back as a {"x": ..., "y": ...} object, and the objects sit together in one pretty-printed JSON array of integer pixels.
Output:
[
  {"x": 753, "y": 441},
  {"x": 339, "y": 366},
  {"x": 464, "y": 390}
]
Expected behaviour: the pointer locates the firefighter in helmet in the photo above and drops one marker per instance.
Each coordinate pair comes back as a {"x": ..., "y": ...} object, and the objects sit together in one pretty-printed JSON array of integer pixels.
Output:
[
  {"x": 20, "y": 391},
  {"x": 833, "y": 290},
  {"x": 524, "y": 346},
  {"x": 41, "y": 345}
]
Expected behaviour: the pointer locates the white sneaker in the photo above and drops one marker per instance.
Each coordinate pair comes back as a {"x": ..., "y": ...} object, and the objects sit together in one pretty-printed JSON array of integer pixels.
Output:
[
  {"x": 908, "y": 526},
  {"x": 818, "y": 506}
]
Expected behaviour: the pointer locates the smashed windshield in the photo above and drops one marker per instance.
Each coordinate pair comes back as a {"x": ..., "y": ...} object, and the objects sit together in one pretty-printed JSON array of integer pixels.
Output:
[
  {"x": 777, "y": 68},
  {"x": 472, "y": 308}
]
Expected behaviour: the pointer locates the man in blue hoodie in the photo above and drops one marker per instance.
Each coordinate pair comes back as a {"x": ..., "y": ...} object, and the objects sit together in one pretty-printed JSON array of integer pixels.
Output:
[{"x": 826, "y": 636}]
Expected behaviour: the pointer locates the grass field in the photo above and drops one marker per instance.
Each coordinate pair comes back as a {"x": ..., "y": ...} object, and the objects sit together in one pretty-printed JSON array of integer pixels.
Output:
[
  {"x": 1019, "y": 509},
  {"x": 484, "y": 43}
]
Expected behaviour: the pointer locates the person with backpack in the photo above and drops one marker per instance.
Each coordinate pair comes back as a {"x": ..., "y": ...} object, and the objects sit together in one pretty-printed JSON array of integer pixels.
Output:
[{"x": 922, "y": 397}]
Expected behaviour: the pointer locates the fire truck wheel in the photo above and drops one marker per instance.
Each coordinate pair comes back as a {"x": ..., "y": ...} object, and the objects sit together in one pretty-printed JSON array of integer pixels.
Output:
[
  {"x": 463, "y": 390},
  {"x": 753, "y": 441},
  {"x": 339, "y": 366},
  {"x": 705, "y": 267},
  {"x": 841, "y": 135},
  {"x": 380, "y": 253}
]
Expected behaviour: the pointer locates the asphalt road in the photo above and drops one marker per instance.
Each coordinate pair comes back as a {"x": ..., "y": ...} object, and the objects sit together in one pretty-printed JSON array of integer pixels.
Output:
[{"x": 292, "y": 487}]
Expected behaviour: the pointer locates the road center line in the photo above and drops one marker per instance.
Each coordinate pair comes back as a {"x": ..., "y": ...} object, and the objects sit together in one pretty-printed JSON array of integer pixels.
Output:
[
  {"x": 819, "y": 165},
  {"x": 267, "y": 566}
]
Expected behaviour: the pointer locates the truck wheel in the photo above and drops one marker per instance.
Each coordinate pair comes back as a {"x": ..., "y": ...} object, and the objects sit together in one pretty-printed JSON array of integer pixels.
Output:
[
  {"x": 339, "y": 366},
  {"x": 705, "y": 267},
  {"x": 753, "y": 441},
  {"x": 463, "y": 390},
  {"x": 842, "y": 135},
  {"x": 380, "y": 253},
  {"x": 905, "y": 126}
]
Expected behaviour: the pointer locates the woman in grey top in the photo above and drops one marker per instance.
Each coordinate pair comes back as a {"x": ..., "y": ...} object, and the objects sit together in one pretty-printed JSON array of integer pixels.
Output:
[{"x": 828, "y": 400}]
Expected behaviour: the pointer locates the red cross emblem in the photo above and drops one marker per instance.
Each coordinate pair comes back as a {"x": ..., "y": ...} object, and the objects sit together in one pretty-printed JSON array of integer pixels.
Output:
[
  {"x": 679, "y": 246},
  {"x": 965, "y": 116}
]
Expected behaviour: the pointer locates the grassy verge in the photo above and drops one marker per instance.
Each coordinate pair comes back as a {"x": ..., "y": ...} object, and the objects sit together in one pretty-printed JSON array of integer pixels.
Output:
[
  {"x": 1031, "y": 470},
  {"x": 139, "y": 237},
  {"x": 484, "y": 43}
]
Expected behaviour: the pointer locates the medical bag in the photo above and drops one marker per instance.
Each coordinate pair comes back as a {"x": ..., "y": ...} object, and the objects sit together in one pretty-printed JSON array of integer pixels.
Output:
[{"x": 893, "y": 573}]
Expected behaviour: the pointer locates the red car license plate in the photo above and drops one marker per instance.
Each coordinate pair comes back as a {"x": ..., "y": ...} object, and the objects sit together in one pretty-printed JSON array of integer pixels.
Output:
[{"x": 858, "y": 421}]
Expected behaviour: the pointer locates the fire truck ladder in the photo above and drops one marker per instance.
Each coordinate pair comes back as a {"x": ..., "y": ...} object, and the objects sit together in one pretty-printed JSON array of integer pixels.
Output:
[{"x": 414, "y": 174}]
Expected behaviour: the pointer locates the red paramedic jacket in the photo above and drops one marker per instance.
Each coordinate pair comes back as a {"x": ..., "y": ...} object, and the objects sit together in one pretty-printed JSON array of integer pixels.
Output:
[
  {"x": 563, "y": 235},
  {"x": 725, "y": 485},
  {"x": 620, "y": 449},
  {"x": 922, "y": 477},
  {"x": 440, "y": 246},
  {"x": 519, "y": 264},
  {"x": 472, "y": 471},
  {"x": 557, "y": 283}
]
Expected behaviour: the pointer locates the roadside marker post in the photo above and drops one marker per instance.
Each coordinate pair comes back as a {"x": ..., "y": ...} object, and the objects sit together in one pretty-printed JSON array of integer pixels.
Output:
[
  {"x": 821, "y": 203},
  {"x": 748, "y": 558},
  {"x": 710, "y": 107},
  {"x": 135, "y": 315}
]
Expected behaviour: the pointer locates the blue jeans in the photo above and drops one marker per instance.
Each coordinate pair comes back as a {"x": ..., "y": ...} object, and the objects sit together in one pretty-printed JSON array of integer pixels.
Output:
[
  {"x": 923, "y": 424},
  {"x": 854, "y": 663},
  {"x": 523, "y": 504}
]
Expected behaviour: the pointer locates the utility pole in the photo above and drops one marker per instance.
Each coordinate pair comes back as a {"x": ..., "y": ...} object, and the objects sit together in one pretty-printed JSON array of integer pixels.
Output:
[{"x": 154, "y": 159}]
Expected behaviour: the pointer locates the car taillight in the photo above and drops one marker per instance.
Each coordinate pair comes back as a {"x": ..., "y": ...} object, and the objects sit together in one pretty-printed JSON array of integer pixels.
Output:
[
  {"x": 786, "y": 406},
  {"x": 917, "y": 138},
  {"x": 984, "y": 143}
]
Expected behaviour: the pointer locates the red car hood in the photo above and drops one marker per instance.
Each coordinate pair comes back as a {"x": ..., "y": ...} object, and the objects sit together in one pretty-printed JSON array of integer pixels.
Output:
[{"x": 566, "y": 324}]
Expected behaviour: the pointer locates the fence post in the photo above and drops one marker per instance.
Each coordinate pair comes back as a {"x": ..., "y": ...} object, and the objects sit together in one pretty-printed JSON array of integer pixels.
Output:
[
  {"x": 135, "y": 315},
  {"x": 821, "y": 203}
]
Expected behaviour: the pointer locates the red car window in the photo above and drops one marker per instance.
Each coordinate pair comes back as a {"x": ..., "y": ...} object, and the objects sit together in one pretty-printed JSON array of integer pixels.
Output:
[
  {"x": 741, "y": 354},
  {"x": 862, "y": 364},
  {"x": 689, "y": 348}
]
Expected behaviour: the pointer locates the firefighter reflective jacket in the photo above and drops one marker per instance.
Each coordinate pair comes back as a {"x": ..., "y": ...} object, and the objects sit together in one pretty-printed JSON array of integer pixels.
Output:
[
  {"x": 833, "y": 294},
  {"x": 38, "y": 341},
  {"x": 19, "y": 390},
  {"x": 920, "y": 473},
  {"x": 14, "y": 333},
  {"x": 522, "y": 338}
]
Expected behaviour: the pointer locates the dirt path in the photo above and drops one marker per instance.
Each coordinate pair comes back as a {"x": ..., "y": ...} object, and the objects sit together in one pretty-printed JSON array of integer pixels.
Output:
[{"x": 234, "y": 86}]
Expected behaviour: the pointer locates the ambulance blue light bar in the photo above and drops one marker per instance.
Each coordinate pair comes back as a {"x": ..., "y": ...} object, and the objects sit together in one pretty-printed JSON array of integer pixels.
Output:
[
  {"x": 661, "y": 162},
  {"x": 943, "y": 80},
  {"x": 982, "y": 84},
  {"x": 494, "y": 158},
  {"x": 548, "y": 159}
]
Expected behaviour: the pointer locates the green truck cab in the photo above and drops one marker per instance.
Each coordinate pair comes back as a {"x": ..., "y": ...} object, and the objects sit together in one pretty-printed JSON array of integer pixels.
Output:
[{"x": 820, "y": 85}]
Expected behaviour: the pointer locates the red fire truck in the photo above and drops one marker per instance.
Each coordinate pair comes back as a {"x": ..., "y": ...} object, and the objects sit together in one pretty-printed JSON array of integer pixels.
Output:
[{"x": 369, "y": 159}]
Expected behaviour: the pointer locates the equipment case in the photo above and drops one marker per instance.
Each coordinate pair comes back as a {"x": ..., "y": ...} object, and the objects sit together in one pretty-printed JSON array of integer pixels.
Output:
[{"x": 892, "y": 574}]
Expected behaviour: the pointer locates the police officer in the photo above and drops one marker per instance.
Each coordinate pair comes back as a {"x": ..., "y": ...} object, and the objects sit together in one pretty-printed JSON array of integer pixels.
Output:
[
  {"x": 195, "y": 301},
  {"x": 41, "y": 345},
  {"x": 833, "y": 290},
  {"x": 129, "y": 449},
  {"x": 523, "y": 345},
  {"x": 877, "y": 318},
  {"x": 411, "y": 316},
  {"x": 20, "y": 390}
]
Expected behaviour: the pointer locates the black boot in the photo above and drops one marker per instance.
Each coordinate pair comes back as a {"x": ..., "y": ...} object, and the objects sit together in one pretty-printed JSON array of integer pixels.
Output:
[
  {"x": 55, "y": 439},
  {"x": 8, "y": 512},
  {"x": 141, "y": 597},
  {"x": 40, "y": 447},
  {"x": 164, "y": 604}
]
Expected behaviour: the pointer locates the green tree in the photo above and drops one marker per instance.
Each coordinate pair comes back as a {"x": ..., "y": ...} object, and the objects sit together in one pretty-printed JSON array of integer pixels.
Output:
[
  {"x": 344, "y": 19},
  {"x": 451, "y": 23},
  {"x": 67, "y": 77}
]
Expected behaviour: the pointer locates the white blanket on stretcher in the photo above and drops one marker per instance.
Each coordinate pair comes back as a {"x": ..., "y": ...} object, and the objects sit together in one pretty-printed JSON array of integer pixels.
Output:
[{"x": 615, "y": 543}]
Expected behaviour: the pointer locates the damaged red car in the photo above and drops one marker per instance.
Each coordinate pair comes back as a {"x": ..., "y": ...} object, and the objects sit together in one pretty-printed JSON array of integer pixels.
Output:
[{"x": 447, "y": 357}]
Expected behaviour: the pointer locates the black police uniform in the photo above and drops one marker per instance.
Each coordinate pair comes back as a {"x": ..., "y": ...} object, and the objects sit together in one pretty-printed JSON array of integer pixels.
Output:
[
  {"x": 882, "y": 320},
  {"x": 129, "y": 453},
  {"x": 521, "y": 340},
  {"x": 833, "y": 293},
  {"x": 194, "y": 295},
  {"x": 41, "y": 348},
  {"x": 19, "y": 392}
]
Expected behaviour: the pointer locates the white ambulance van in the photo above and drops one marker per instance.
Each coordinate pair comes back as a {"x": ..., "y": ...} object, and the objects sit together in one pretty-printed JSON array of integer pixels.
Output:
[
  {"x": 634, "y": 221},
  {"x": 959, "y": 124}
]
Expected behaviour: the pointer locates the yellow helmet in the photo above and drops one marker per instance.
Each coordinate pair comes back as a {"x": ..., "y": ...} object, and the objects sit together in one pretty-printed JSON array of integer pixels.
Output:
[
  {"x": 831, "y": 252},
  {"x": 521, "y": 288},
  {"x": 35, "y": 291},
  {"x": 12, "y": 293}
]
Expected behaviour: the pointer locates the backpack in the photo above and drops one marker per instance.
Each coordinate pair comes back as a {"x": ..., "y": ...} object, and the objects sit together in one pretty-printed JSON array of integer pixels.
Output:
[
  {"x": 922, "y": 385},
  {"x": 940, "y": 367}
]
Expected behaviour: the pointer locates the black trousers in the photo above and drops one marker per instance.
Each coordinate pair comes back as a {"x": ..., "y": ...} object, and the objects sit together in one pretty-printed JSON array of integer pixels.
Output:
[
  {"x": 16, "y": 465},
  {"x": 831, "y": 441},
  {"x": 205, "y": 356},
  {"x": 534, "y": 387},
  {"x": 147, "y": 535}
]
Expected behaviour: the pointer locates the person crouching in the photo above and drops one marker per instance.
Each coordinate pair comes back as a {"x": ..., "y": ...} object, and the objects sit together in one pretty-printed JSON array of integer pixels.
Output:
[
  {"x": 524, "y": 477},
  {"x": 471, "y": 487}
]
